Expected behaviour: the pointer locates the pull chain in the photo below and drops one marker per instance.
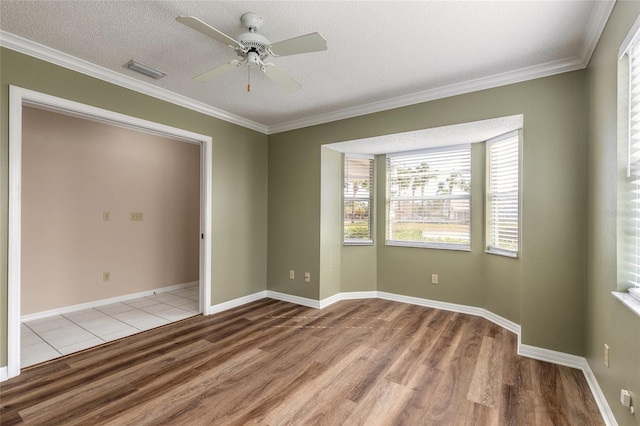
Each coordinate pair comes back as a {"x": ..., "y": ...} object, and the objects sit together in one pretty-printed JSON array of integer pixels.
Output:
[{"x": 249, "y": 84}]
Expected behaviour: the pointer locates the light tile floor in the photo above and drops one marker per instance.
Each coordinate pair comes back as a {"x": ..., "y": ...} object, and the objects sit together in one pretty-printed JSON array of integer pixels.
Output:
[{"x": 48, "y": 338}]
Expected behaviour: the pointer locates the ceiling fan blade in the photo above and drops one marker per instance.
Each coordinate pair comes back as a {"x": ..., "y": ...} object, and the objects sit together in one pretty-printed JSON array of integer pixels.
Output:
[
  {"x": 217, "y": 71},
  {"x": 281, "y": 78},
  {"x": 313, "y": 42},
  {"x": 207, "y": 29}
]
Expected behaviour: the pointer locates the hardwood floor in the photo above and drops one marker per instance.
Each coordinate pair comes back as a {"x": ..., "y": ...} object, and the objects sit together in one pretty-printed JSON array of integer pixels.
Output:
[{"x": 359, "y": 362}]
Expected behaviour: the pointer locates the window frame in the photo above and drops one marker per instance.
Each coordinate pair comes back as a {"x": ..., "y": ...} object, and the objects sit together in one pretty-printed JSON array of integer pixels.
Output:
[
  {"x": 488, "y": 247},
  {"x": 628, "y": 211},
  {"x": 389, "y": 200},
  {"x": 370, "y": 199}
]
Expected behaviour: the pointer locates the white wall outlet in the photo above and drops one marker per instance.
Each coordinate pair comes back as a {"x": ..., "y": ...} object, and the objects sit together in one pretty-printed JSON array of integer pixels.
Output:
[
  {"x": 434, "y": 278},
  {"x": 307, "y": 277},
  {"x": 136, "y": 216},
  {"x": 606, "y": 355},
  {"x": 625, "y": 397},
  {"x": 292, "y": 274},
  {"x": 106, "y": 216},
  {"x": 106, "y": 276}
]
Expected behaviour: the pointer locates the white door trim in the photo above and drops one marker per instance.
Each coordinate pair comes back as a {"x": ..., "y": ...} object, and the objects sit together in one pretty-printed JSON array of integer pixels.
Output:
[{"x": 19, "y": 97}]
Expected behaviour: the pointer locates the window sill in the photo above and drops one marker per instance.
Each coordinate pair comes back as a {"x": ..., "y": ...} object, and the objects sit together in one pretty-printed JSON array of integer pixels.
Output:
[
  {"x": 628, "y": 300},
  {"x": 453, "y": 247},
  {"x": 358, "y": 243},
  {"x": 503, "y": 253}
]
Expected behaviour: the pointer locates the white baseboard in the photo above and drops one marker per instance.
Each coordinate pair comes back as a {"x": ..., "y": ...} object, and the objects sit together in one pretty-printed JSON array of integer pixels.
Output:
[
  {"x": 350, "y": 295},
  {"x": 93, "y": 304},
  {"x": 310, "y": 303},
  {"x": 579, "y": 363},
  {"x": 4, "y": 375},
  {"x": 502, "y": 322},
  {"x": 573, "y": 361},
  {"x": 454, "y": 307},
  {"x": 445, "y": 306},
  {"x": 598, "y": 395},
  {"x": 224, "y": 306},
  {"x": 321, "y": 304},
  {"x": 529, "y": 351},
  {"x": 551, "y": 356}
]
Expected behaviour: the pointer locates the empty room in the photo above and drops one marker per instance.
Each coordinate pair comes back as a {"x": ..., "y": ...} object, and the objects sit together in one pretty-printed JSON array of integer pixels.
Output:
[{"x": 306, "y": 212}]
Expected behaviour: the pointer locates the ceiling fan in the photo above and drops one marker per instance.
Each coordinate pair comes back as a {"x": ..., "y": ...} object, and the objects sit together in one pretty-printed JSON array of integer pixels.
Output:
[{"x": 254, "y": 49}]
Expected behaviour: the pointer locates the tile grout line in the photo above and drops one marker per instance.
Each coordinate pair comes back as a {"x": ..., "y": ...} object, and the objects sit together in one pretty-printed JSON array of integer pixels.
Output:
[
  {"x": 41, "y": 338},
  {"x": 87, "y": 330},
  {"x": 133, "y": 308}
]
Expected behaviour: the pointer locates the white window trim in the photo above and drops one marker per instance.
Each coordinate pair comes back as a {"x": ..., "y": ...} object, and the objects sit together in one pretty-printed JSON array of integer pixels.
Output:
[
  {"x": 494, "y": 250},
  {"x": 428, "y": 245},
  {"x": 631, "y": 40},
  {"x": 370, "y": 199}
]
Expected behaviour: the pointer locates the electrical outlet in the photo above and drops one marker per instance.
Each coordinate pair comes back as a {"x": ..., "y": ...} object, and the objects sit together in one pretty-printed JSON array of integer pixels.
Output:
[
  {"x": 106, "y": 216},
  {"x": 106, "y": 276},
  {"x": 434, "y": 278},
  {"x": 136, "y": 216},
  {"x": 606, "y": 355},
  {"x": 307, "y": 277},
  {"x": 625, "y": 398},
  {"x": 292, "y": 274}
]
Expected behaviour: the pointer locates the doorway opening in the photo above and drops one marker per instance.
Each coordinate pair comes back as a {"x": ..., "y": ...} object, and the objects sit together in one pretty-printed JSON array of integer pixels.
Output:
[{"x": 20, "y": 98}]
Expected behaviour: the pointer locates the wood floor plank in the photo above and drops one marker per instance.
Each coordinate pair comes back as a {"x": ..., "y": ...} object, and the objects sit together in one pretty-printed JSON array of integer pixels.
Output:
[
  {"x": 357, "y": 362},
  {"x": 291, "y": 409},
  {"x": 94, "y": 394},
  {"x": 486, "y": 383},
  {"x": 386, "y": 400}
]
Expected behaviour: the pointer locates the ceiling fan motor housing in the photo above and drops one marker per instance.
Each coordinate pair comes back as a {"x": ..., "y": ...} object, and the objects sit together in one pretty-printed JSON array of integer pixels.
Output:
[{"x": 254, "y": 42}]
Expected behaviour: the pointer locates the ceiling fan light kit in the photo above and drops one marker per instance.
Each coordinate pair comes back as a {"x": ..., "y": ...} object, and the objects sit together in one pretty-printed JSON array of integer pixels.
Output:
[{"x": 254, "y": 48}]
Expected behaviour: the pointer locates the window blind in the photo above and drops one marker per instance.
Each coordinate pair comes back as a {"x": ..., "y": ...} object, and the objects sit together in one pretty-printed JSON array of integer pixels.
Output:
[
  {"x": 358, "y": 199},
  {"x": 633, "y": 171},
  {"x": 428, "y": 198},
  {"x": 502, "y": 205}
]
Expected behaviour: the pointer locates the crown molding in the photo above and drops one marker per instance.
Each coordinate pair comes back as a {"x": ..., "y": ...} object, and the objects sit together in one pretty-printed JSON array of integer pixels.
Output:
[
  {"x": 497, "y": 80},
  {"x": 597, "y": 21},
  {"x": 45, "y": 53}
]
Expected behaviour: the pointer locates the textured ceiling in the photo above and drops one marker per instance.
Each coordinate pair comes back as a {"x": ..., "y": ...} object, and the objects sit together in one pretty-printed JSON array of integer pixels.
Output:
[{"x": 378, "y": 51}]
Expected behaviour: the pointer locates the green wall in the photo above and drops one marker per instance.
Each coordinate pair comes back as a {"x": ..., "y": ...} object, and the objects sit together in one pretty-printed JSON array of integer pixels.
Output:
[
  {"x": 407, "y": 271},
  {"x": 607, "y": 320},
  {"x": 330, "y": 222},
  {"x": 294, "y": 226},
  {"x": 538, "y": 290},
  {"x": 569, "y": 168},
  {"x": 239, "y": 255}
]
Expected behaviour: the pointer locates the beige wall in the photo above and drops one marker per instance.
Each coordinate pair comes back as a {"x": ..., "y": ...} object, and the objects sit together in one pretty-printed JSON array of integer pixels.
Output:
[
  {"x": 239, "y": 173},
  {"x": 73, "y": 170},
  {"x": 607, "y": 320}
]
